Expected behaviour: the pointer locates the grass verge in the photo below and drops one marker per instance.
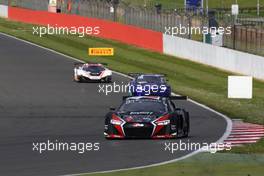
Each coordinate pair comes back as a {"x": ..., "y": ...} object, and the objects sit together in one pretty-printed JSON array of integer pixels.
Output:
[
  {"x": 204, "y": 164},
  {"x": 202, "y": 83}
]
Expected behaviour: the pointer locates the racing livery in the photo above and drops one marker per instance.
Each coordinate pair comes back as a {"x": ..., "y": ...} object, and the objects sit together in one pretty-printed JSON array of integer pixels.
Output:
[
  {"x": 147, "y": 117},
  {"x": 91, "y": 72},
  {"x": 149, "y": 84}
]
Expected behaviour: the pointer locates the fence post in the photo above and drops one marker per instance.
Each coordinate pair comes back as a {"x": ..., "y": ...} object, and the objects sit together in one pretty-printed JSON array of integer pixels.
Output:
[{"x": 189, "y": 26}]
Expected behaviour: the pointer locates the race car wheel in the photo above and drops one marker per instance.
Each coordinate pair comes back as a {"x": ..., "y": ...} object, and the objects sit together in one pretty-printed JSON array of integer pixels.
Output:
[
  {"x": 108, "y": 79},
  {"x": 78, "y": 79},
  {"x": 75, "y": 78}
]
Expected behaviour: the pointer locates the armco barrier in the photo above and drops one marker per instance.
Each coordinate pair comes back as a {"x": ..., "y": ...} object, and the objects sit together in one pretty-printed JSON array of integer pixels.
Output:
[
  {"x": 223, "y": 58},
  {"x": 140, "y": 37},
  {"x": 3, "y": 11}
]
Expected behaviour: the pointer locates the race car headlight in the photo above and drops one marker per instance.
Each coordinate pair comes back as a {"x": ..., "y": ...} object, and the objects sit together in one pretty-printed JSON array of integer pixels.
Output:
[
  {"x": 162, "y": 123},
  {"x": 116, "y": 122}
]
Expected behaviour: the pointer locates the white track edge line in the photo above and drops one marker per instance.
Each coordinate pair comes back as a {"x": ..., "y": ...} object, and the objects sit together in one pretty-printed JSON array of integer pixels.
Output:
[{"x": 224, "y": 136}]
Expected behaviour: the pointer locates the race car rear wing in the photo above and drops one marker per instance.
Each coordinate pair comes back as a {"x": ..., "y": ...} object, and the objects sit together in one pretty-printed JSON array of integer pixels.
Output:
[
  {"x": 102, "y": 63},
  {"x": 134, "y": 75},
  {"x": 78, "y": 64},
  {"x": 178, "y": 97}
]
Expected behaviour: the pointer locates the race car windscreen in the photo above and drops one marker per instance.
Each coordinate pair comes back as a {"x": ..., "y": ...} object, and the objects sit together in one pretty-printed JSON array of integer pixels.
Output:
[
  {"x": 94, "y": 69},
  {"x": 143, "y": 106},
  {"x": 149, "y": 79}
]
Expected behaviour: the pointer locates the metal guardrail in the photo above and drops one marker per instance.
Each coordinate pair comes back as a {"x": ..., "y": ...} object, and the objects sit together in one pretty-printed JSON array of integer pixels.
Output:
[
  {"x": 93, "y": 9},
  {"x": 30, "y": 4},
  {"x": 247, "y": 39},
  {"x": 4, "y": 2}
]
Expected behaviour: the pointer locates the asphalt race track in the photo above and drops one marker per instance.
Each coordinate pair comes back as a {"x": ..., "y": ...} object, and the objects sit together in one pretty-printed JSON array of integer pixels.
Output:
[{"x": 40, "y": 102}]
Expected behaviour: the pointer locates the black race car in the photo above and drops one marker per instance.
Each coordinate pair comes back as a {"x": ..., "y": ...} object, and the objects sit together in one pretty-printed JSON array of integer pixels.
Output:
[{"x": 147, "y": 117}]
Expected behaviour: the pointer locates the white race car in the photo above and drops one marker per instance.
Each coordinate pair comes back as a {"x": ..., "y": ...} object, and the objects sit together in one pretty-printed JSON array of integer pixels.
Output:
[{"x": 91, "y": 72}]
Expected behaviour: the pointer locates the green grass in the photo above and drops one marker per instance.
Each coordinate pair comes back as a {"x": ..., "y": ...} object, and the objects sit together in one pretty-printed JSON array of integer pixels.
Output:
[
  {"x": 250, "y": 148},
  {"x": 180, "y": 3},
  {"x": 203, "y": 164},
  {"x": 202, "y": 83}
]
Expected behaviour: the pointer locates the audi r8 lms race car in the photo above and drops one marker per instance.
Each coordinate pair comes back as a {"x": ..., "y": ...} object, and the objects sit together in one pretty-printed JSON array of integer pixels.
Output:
[
  {"x": 149, "y": 84},
  {"x": 91, "y": 72},
  {"x": 147, "y": 117}
]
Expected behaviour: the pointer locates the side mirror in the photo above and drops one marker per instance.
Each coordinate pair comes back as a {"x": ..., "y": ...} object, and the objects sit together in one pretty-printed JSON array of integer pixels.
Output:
[{"x": 112, "y": 108}]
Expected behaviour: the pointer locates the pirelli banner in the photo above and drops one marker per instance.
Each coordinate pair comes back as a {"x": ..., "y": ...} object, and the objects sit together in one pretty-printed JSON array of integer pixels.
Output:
[
  {"x": 52, "y": 6},
  {"x": 101, "y": 51}
]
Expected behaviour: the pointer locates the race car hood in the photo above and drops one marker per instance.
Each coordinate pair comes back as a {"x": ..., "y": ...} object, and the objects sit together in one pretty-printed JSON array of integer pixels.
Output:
[{"x": 144, "y": 117}]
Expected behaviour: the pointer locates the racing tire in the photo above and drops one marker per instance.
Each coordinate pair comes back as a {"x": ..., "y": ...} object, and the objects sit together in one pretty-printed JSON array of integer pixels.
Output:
[
  {"x": 108, "y": 79},
  {"x": 78, "y": 80}
]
